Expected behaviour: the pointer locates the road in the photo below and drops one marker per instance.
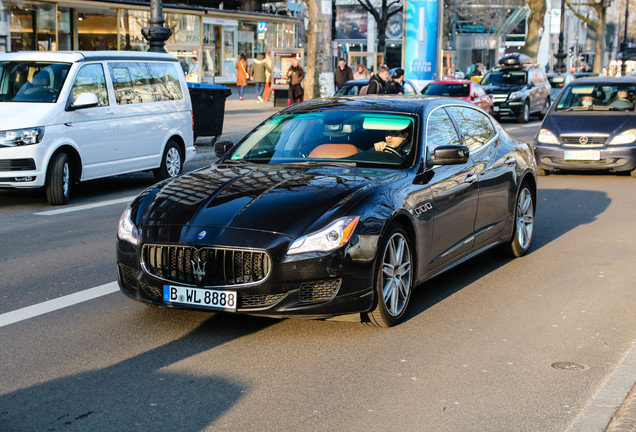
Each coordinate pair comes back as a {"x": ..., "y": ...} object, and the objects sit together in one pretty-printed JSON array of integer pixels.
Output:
[{"x": 493, "y": 345}]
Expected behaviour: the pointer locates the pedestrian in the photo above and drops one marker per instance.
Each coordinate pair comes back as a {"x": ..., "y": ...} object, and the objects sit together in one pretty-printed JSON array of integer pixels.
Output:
[
  {"x": 242, "y": 74},
  {"x": 396, "y": 83},
  {"x": 377, "y": 83},
  {"x": 361, "y": 73},
  {"x": 342, "y": 74},
  {"x": 295, "y": 76},
  {"x": 267, "y": 93},
  {"x": 477, "y": 72},
  {"x": 258, "y": 71}
]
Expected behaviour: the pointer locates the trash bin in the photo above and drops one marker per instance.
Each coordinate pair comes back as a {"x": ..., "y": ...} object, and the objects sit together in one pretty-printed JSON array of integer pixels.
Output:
[{"x": 208, "y": 107}]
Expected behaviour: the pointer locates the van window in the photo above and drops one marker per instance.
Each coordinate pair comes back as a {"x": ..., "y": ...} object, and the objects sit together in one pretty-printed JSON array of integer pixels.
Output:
[
  {"x": 143, "y": 82},
  {"x": 24, "y": 81},
  {"x": 90, "y": 79}
]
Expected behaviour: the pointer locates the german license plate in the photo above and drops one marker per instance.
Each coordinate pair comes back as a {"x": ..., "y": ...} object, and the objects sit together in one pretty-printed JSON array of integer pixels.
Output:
[
  {"x": 582, "y": 155},
  {"x": 212, "y": 299}
]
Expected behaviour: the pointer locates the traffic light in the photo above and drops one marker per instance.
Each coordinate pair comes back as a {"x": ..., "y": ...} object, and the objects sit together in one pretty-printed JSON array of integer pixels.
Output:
[{"x": 571, "y": 51}]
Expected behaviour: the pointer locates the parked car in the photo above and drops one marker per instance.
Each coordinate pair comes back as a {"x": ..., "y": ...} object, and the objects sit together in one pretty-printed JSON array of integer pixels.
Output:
[
  {"x": 518, "y": 88},
  {"x": 74, "y": 116},
  {"x": 327, "y": 208},
  {"x": 558, "y": 82},
  {"x": 591, "y": 126},
  {"x": 467, "y": 90},
  {"x": 351, "y": 88}
]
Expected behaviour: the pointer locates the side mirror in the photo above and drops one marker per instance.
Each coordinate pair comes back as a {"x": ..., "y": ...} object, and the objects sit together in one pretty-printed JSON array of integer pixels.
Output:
[
  {"x": 222, "y": 147},
  {"x": 85, "y": 100},
  {"x": 449, "y": 155}
]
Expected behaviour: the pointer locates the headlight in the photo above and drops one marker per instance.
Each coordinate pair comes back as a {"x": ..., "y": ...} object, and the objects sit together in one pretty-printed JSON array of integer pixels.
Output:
[
  {"x": 627, "y": 137},
  {"x": 327, "y": 239},
  {"x": 547, "y": 137},
  {"x": 18, "y": 137},
  {"x": 127, "y": 230},
  {"x": 515, "y": 95}
]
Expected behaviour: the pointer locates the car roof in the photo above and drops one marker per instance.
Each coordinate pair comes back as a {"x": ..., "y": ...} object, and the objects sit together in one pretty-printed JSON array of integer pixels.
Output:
[
  {"x": 79, "y": 56},
  {"x": 454, "y": 81},
  {"x": 605, "y": 80}
]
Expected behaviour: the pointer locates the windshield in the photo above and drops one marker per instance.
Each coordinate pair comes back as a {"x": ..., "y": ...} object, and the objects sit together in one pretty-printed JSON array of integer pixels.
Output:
[
  {"x": 348, "y": 137},
  {"x": 28, "y": 81},
  {"x": 511, "y": 78},
  {"x": 451, "y": 90},
  {"x": 556, "y": 81},
  {"x": 598, "y": 97}
]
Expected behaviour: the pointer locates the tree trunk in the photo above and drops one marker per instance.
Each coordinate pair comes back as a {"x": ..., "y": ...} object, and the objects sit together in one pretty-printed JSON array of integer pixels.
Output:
[
  {"x": 535, "y": 24},
  {"x": 600, "y": 37},
  {"x": 319, "y": 74}
]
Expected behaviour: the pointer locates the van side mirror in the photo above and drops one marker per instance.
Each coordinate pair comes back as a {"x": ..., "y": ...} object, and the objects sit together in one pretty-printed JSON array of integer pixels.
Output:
[
  {"x": 449, "y": 155},
  {"x": 85, "y": 100},
  {"x": 222, "y": 147}
]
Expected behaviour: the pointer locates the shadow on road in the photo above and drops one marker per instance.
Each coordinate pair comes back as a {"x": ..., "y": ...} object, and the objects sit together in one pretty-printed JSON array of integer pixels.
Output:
[{"x": 139, "y": 393}]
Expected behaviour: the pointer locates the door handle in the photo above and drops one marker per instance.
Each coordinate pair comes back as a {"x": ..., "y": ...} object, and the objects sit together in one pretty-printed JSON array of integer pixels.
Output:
[
  {"x": 510, "y": 160},
  {"x": 470, "y": 178}
]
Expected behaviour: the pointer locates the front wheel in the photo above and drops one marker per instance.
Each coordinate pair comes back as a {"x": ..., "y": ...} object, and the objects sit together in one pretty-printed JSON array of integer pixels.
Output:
[
  {"x": 524, "y": 224},
  {"x": 393, "y": 281},
  {"x": 58, "y": 180},
  {"x": 171, "y": 162},
  {"x": 524, "y": 115}
]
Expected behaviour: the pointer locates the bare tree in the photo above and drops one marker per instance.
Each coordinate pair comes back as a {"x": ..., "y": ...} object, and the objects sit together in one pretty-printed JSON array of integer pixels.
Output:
[
  {"x": 538, "y": 10},
  {"x": 599, "y": 25},
  {"x": 387, "y": 9}
]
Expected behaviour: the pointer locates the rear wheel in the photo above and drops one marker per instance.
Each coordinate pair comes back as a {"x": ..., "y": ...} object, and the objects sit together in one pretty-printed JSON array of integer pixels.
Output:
[
  {"x": 171, "y": 163},
  {"x": 524, "y": 224},
  {"x": 58, "y": 180},
  {"x": 393, "y": 281},
  {"x": 546, "y": 108}
]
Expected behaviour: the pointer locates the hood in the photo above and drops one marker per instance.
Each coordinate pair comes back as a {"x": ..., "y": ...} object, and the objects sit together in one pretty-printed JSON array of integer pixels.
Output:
[
  {"x": 490, "y": 89},
  {"x": 589, "y": 122},
  {"x": 19, "y": 115},
  {"x": 286, "y": 200}
]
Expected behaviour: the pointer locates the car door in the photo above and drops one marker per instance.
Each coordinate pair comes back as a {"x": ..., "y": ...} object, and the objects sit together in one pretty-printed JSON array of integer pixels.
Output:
[
  {"x": 454, "y": 191},
  {"x": 94, "y": 129},
  {"x": 495, "y": 166}
]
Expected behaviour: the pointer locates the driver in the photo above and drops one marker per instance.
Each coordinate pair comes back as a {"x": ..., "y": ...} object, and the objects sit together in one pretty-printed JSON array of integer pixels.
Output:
[
  {"x": 395, "y": 140},
  {"x": 622, "y": 100}
]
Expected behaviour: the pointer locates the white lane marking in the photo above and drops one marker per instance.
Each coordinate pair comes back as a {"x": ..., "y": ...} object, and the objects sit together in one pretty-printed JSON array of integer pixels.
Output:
[
  {"x": 86, "y": 206},
  {"x": 58, "y": 303}
]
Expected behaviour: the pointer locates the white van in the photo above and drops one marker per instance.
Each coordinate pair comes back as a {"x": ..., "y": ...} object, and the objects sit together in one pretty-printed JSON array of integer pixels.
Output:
[{"x": 67, "y": 117}]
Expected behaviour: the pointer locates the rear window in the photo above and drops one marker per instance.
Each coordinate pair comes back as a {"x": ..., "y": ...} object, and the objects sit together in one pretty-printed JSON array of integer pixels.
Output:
[
  {"x": 449, "y": 90},
  {"x": 29, "y": 81},
  {"x": 143, "y": 82}
]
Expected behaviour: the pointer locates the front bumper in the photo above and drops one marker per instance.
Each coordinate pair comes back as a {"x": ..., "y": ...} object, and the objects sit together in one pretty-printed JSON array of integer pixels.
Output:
[
  {"x": 508, "y": 108},
  {"x": 612, "y": 158}
]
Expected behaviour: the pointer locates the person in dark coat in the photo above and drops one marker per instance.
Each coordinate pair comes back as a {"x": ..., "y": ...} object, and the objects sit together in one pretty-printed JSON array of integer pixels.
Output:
[
  {"x": 377, "y": 83},
  {"x": 396, "y": 84},
  {"x": 295, "y": 76},
  {"x": 342, "y": 74}
]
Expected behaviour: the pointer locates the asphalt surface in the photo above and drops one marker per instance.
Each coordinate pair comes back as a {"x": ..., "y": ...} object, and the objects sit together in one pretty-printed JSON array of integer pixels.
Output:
[{"x": 494, "y": 345}]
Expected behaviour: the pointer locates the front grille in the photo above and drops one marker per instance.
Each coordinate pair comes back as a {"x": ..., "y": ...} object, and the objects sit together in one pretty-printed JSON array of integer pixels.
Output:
[
  {"x": 588, "y": 140},
  {"x": 315, "y": 291},
  {"x": 208, "y": 266},
  {"x": 17, "y": 165},
  {"x": 499, "y": 97},
  {"x": 254, "y": 301}
]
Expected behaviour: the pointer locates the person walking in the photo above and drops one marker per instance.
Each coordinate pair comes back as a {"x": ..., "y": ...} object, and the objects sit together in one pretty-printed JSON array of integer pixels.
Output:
[
  {"x": 342, "y": 74},
  {"x": 259, "y": 68},
  {"x": 396, "y": 83},
  {"x": 361, "y": 73},
  {"x": 242, "y": 74},
  {"x": 267, "y": 93},
  {"x": 295, "y": 75},
  {"x": 377, "y": 83}
]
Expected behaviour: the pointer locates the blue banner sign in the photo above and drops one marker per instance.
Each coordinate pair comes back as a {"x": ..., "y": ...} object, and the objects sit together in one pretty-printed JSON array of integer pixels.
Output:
[{"x": 420, "y": 42}]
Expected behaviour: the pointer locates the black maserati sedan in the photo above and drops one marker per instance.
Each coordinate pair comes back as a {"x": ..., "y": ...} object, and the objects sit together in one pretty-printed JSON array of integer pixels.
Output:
[
  {"x": 332, "y": 207},
  {"x": 591, "y": 126}
]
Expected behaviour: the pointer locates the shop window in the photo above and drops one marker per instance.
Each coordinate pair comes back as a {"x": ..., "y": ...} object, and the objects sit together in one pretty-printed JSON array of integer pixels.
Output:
[
  {"x": 64, "y": 29},
  {"x": 186, "y": 29},
  {"x": 97, "y": 29},
  {"x": 32, "y": 26},
  {"x": 130, "y": 24}
]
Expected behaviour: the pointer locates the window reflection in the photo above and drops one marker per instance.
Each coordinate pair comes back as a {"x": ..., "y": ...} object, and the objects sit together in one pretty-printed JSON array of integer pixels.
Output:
[
  {"x": 474, "y": 126},
  {"x": 440, "y": 130}
]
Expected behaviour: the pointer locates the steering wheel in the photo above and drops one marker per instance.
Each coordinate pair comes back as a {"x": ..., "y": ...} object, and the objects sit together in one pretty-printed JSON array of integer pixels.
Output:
[{"x": 393, "y": 151}]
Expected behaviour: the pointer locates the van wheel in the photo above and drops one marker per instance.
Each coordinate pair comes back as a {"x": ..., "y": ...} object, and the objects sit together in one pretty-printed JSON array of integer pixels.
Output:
[
  {"x": 171, "y": 163},
  {"x": 58, "y": 180},
  {"x": 524, "y": 115}
]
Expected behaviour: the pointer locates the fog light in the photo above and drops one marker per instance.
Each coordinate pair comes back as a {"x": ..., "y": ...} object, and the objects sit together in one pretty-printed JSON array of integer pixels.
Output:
[{"x": 24, "y": 179}]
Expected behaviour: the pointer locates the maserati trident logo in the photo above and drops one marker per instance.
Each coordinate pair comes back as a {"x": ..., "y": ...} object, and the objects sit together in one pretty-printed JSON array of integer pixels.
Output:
[{"x": 198, "y": 269}]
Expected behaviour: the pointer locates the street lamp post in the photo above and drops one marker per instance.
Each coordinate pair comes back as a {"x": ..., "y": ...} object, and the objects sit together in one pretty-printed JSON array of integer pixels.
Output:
[
  {"x": 560, "y": 55},
  {"x": 624, "y": 43},
  {"x": 156, "y": 34}
]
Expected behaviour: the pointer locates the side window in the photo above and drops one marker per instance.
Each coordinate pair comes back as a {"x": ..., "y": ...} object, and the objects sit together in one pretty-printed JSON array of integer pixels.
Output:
[
  {"x": 90, "y": 79},
  {"x": 409, "y": 89},
  {"x": 122, "y": 82},
  {"x": 164, "y": 81},
  {"x": 440, "y": 130},
  {"x": 474, "y": 126},
  {"x": 145, "y": 82}
]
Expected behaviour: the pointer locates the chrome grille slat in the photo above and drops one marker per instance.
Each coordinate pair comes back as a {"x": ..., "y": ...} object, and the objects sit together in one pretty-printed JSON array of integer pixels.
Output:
[{"x": 223, "y": 267}]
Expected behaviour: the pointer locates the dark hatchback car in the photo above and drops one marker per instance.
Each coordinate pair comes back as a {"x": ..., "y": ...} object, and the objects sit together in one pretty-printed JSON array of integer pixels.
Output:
[
  {"x": 331, "y": 207},
  {"x": 591, "y": 126}
]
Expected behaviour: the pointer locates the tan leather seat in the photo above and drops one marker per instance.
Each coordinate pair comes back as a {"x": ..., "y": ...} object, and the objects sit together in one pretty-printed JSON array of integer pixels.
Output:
[{"x": 333, "y": 151}]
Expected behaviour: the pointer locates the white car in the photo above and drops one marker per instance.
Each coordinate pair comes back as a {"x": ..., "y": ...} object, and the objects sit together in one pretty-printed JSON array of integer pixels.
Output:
[{"x": 67, "y": 117}]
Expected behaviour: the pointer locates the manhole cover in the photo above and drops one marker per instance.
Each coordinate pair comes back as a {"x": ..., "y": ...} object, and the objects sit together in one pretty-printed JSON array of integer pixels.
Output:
[{"x": 571, "y": 366}]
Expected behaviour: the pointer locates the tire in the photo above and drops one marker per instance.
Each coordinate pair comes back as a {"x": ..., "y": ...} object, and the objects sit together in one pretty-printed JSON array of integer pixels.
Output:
[
  {"x": 546, "y": 108},
  {"x": 542, "y": 172},
  {"x": 524, "y": 223},
  {"x": 171, "y": 162},
  {"x": 58, "y": 180},
  {"x": 524, "y": 115},
  {"x": 393, "y": 279},
  {"x": 633, "y": 173}
]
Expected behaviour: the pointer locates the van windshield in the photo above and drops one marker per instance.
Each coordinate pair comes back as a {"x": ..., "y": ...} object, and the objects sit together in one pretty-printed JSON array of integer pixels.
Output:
[{"x": 30, "y": 81}]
